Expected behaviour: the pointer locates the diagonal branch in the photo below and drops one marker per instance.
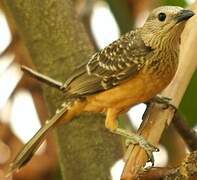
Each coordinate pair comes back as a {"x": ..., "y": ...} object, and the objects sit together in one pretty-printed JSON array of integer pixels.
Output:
[
  {"x": 157, "y": 119},
  {"x": 188, "y": 134}
]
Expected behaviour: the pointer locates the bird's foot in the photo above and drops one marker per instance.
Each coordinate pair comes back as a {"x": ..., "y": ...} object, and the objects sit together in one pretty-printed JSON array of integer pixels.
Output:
[
  {"x": 165, "y": 101},
  {"x": 132, "y": 138}
]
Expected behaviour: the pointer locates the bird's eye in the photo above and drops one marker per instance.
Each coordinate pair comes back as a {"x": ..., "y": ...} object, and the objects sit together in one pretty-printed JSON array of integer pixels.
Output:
[{"x": 162, "y": 16}]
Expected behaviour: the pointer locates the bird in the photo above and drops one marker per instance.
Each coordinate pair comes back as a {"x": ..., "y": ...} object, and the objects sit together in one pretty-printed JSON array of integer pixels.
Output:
[{"x": 131, "y": 70}]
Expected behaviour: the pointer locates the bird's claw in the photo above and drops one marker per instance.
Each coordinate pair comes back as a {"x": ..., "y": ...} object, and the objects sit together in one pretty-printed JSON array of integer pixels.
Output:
[
  {"x": 149, "y": 148},
  {"x": 135, "y": 139},
  {"x": 165, "y": 101}
]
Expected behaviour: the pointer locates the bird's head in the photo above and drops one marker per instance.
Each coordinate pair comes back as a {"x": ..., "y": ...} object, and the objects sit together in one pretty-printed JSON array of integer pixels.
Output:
[{"x": 164, "y": 25}]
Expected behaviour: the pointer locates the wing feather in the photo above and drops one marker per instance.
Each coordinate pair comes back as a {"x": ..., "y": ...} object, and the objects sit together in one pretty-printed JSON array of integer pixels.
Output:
[{"x": 116, "y": 63}]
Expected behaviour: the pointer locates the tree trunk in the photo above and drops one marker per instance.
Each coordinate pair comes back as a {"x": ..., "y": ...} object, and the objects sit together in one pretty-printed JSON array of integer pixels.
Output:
[{"x": 57, "y": 42}]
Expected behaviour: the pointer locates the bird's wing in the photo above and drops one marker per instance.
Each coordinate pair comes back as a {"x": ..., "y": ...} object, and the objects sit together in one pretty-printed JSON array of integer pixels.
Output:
[{"x": 114, "y": 64}]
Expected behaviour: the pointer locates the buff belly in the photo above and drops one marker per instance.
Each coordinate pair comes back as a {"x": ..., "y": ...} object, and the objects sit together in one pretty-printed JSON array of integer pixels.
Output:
[{"x": 140, "y": 88}]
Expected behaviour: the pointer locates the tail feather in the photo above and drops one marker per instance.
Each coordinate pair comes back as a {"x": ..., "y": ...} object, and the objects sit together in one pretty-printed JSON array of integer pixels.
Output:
[{"x": 29, "y": 149}]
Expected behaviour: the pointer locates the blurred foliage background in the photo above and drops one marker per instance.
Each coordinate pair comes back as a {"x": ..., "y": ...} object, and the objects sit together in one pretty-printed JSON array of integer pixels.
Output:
[{"x": 128, "y": 14}]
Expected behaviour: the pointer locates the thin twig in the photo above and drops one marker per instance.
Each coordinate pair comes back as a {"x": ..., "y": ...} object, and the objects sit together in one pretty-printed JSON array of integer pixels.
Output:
[
  {"x": 187, "y": 133},
  {"x": 158, "y": 119},
  {"x": 45, "y": 79},
  {"x": 155, "y": 173}
]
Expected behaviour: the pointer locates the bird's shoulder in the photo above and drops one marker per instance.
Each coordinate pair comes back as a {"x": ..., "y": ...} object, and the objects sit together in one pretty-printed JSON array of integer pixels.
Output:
[{"x": 126, "y": 52}]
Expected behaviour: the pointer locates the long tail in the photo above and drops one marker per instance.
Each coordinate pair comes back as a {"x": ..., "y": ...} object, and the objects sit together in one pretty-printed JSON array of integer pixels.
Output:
[{"x": 65, "y": 114}]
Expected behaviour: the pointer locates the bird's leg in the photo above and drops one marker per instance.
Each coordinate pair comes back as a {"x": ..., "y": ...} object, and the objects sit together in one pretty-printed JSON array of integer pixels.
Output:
[
  {"x": 45, "y": 79},
  {"x": 112, "y": 124},
  {"x": 165, "y": 101}
]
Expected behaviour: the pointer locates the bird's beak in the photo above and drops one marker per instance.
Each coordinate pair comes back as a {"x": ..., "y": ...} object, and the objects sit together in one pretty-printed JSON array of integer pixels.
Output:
[{"x": 184, "y": 15}]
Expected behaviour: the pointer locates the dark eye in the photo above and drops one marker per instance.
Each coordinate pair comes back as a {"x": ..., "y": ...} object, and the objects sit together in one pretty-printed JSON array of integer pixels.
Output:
[{"x": 162, "y": 16}]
